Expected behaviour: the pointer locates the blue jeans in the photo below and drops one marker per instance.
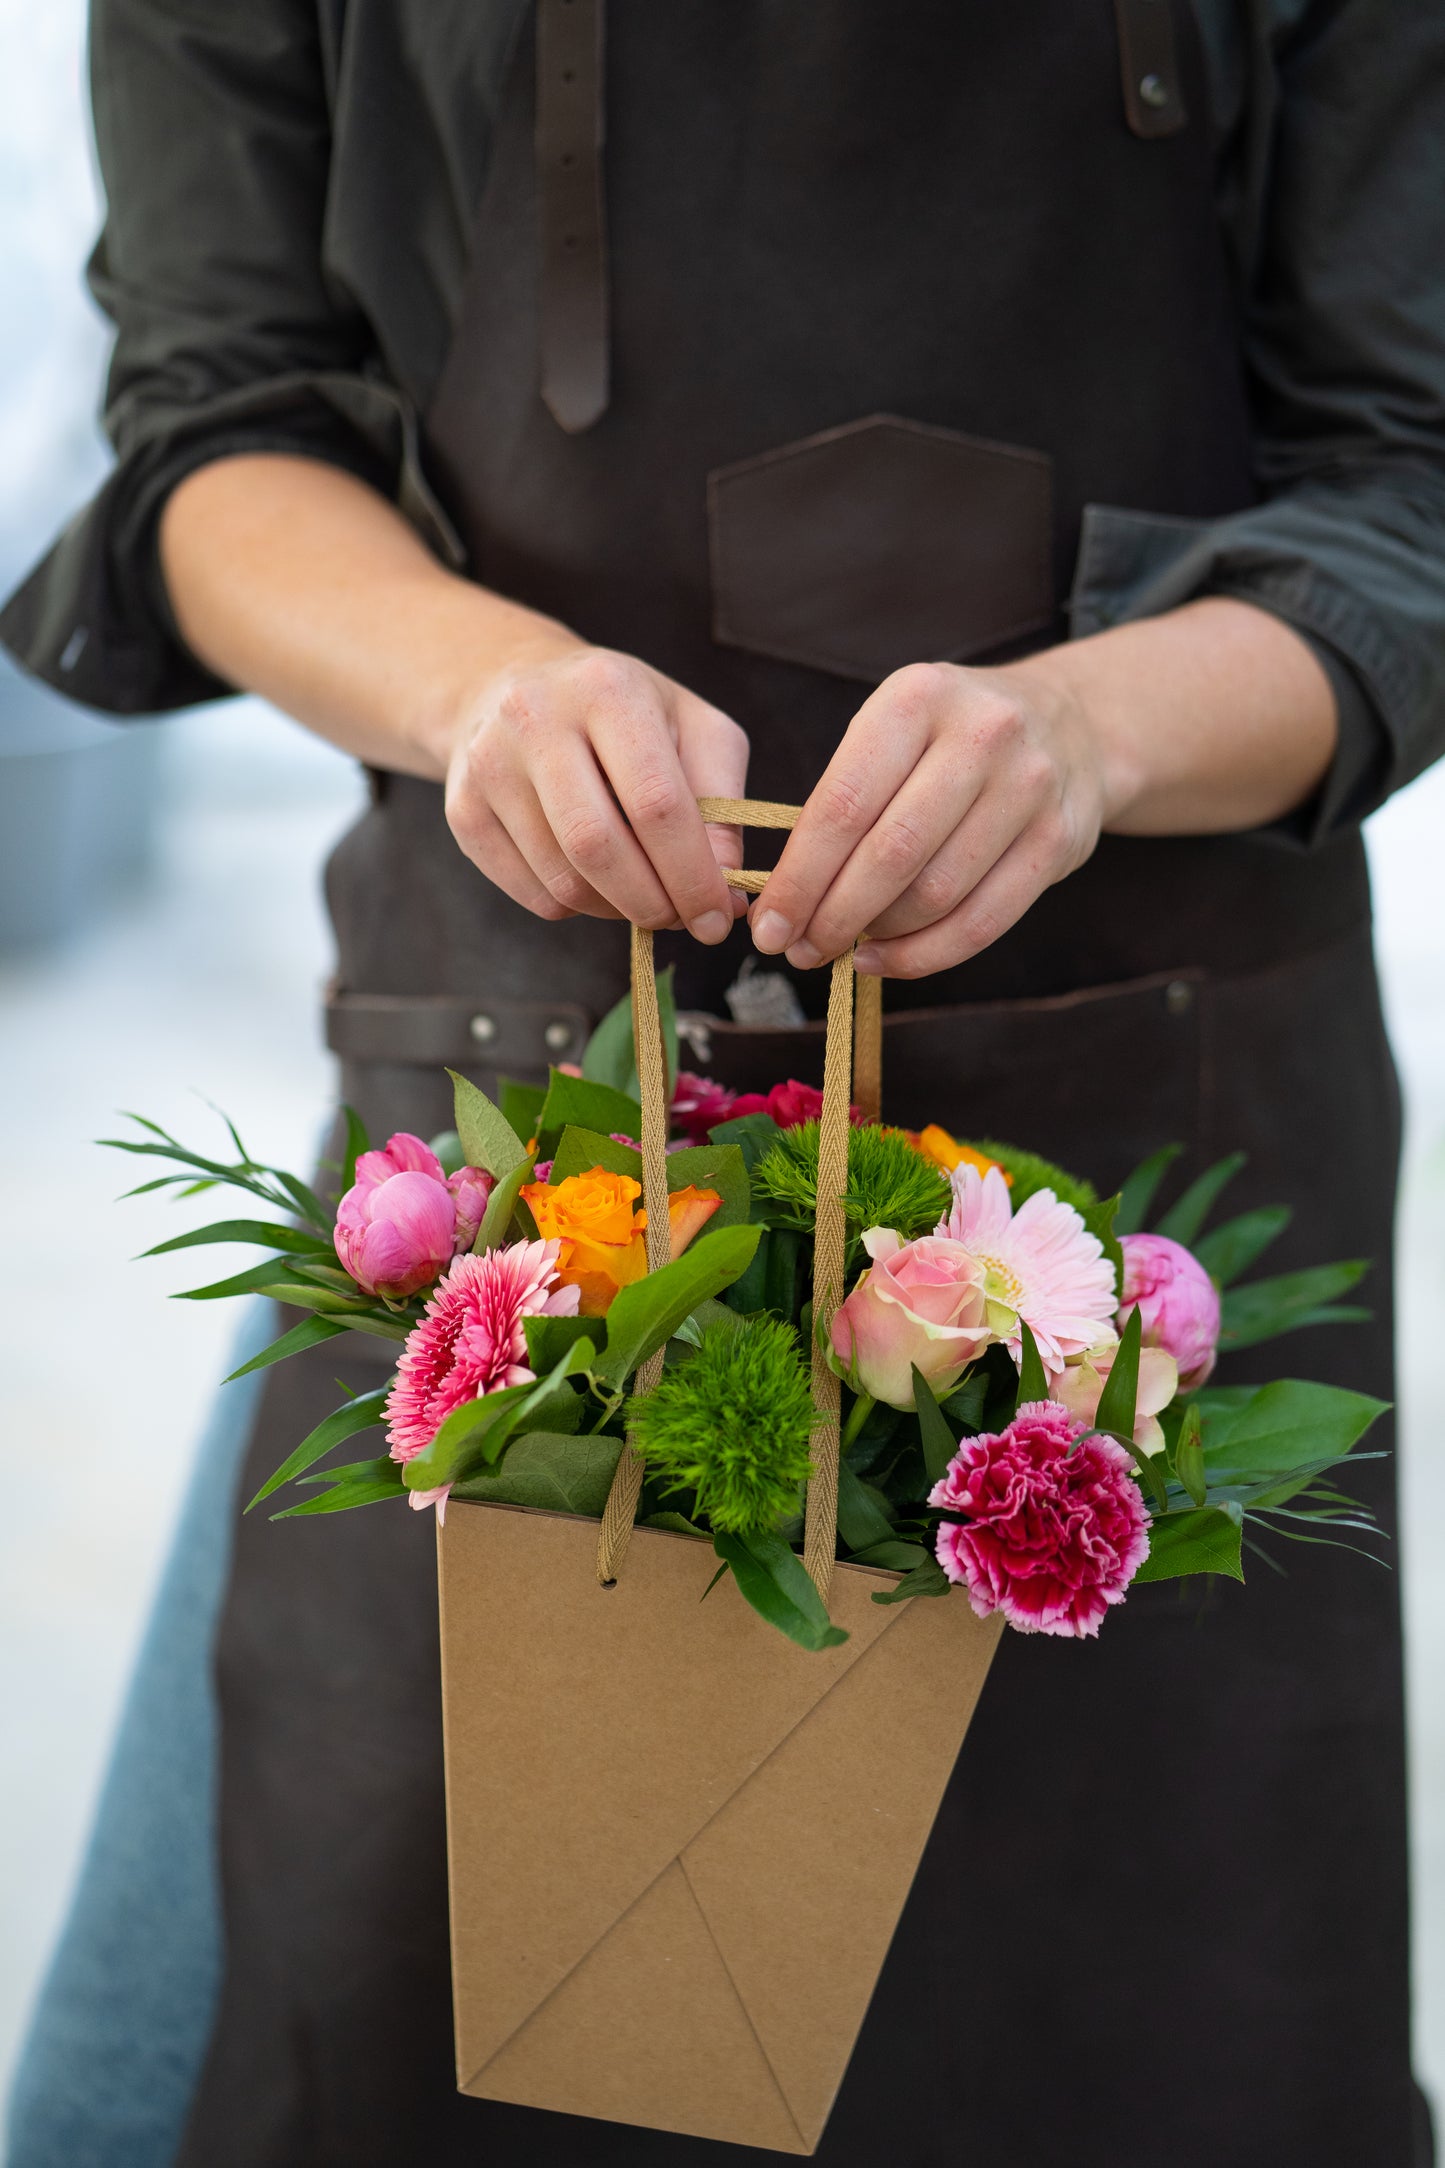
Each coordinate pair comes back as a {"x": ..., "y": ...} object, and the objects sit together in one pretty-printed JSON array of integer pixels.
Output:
[{"x": 108, "y": 2068}]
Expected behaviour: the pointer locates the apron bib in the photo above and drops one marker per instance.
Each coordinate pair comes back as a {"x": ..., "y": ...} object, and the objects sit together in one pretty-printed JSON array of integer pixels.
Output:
[{"x": 893, "y": 295}]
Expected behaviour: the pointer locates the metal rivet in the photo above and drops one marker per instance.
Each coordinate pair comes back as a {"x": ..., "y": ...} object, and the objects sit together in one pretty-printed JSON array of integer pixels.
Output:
[
  {"x": 1178, "y": 996},
  {"x": 1154, "y": 91},
  {"x": 483, "y": 1029},
  {"x": 557, "y": 1036}
]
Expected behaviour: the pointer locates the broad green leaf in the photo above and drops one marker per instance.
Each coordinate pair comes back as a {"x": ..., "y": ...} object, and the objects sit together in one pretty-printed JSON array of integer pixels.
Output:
[
  {"x": 1189, "y": 1455},
  {"x": 939, "y": 1443},
  {"x": 1033, "y": 1385},
  {"x": 1182, "y": 1222},
  {"x": 501, "y": 1208},
  {"x": 309, "y": 1333},
  {"x": 1116, "y": 1409},
  {"x": 358, "y": 1414},
  {"x": 272, "y": 1235},
  {"x": 1233, "y": 1248},
  {"x": 894, "y": 1556},
  {"x": 555, "y": 1471},
  {"x": 1282, "y": 1428},
  {"x": 773, "y": 1579},
  {"x": 1139, "y": 1191},
  {"x": 863, "y": 1518},
  {"x": 579, "y": 1150},
  {"x": 357, "y": 1142},
  {"x": 965, "y": 1404},
  {"x": 753, "y": 1134},
  {"x": 1202, "y": 1540},
  {"x": 714, "y": 1166},
  {"x": 645, "y": 1315},
  {"x": 929, "y": 1579},
  {"x": 550, "y": 1338},
  {"x": 1262, "y": 1309},
  {"x": 475, "y": 1434},
  {"x": 521, "y": 1104},
  {"x": 359, "y": 1488},
  {"x": 574, "y": 1101},
  {"x": 611, "y": 1056},
  {"x": 488, "y": 1138}
]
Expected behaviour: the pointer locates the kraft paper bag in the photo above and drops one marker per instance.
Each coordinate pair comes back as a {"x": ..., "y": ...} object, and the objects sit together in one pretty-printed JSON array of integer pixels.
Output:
[{"x": 679, "y": 1845}]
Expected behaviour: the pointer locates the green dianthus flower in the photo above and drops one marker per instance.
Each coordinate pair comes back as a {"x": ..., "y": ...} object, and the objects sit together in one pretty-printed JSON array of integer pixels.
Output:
[
  {"x": 732, "y": 1425},
  {"x": 889, "y": 1184}
]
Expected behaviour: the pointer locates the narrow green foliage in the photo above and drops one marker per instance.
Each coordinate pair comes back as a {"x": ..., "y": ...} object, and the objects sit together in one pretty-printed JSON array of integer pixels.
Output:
[
  {"x": 1184, "y": 1219},
  {"x": 889, "y": 1184},
  {"x": 1033, "y": 1385},
  {"x": 732, "y": 1425},
  {"x": 1138, "y": 1193}
]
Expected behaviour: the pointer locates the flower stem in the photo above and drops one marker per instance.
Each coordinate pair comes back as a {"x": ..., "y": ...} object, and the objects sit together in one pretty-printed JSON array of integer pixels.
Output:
[{"x": 861, "y": 1410}]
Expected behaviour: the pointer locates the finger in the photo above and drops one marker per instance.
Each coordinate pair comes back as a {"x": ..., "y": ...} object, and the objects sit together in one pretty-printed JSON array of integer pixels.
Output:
[
  {"x": 1027, "y": 868},
  {"x": 491, "y": 850},
  {"x": 882, "y": 745},
  {"x": 571, "y": 830},
  {"x": 714, "y": 754},
  {"x": 997, "y": 817},
  {"x": 910, "y": 835},
  {"x": 638, "y": 757}
]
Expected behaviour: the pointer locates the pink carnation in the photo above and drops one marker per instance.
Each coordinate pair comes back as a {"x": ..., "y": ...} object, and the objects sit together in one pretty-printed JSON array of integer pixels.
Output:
[
  {"x": 1056, "y": 1528},
  {"x": 698, "y": 1104},
  {"x": 469, "y": 1340}
]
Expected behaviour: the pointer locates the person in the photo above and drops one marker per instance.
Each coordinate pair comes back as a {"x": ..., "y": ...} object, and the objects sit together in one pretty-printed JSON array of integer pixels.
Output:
[{"x": 1017, "y": 435}]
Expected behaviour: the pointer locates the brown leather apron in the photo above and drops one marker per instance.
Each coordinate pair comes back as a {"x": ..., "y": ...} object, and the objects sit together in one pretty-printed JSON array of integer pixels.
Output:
[{"x": 883, "y": 299}]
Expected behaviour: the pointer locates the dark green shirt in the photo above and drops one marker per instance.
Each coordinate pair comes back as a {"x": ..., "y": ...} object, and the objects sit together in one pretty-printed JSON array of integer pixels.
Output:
[{"x": 292, "y": 187}]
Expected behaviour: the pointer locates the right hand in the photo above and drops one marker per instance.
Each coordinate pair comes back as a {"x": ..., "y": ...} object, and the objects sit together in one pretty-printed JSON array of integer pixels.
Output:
[{"x": 571, "y": 782}]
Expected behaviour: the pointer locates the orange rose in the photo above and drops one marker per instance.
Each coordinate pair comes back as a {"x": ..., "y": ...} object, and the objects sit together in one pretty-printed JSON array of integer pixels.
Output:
[
  {"x": 603, "y": 1234},
  {"x": 946, "y": 1152}
]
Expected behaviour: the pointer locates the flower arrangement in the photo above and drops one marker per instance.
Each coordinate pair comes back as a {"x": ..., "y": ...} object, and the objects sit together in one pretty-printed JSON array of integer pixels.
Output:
[{"x": 1028, "y": 1413}]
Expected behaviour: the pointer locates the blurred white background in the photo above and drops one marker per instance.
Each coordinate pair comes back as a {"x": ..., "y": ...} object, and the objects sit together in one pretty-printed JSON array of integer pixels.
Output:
[{"x": 202, "y": 981}]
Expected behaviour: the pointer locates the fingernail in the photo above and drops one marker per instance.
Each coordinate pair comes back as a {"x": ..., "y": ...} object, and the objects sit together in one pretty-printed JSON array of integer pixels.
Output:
[
  {"x": 771, "y": 933},
  {"x": 803, "y": 956},
  {"x": 712, "y": 926},
  {"x": 870, "y": 962}
]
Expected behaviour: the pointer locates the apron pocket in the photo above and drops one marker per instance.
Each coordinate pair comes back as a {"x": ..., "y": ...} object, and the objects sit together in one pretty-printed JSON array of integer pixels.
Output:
[{"x": 881, "y": 543}]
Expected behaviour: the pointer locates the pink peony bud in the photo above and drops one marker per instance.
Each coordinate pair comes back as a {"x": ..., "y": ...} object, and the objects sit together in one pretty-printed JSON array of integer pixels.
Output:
[
  {"x": 395, "y": 1233},
  {"x": 919, "y": 1303},
  {"x": 1080, "y": 1387},
  {"x": 470, "y": 1188},
  {"x": 401, "y": 1154},
  {"x": 1177, "y": 1302}
]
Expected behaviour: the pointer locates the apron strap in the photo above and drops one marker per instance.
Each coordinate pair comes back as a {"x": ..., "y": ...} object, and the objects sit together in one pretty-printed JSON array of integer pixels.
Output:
[{"x": 572, "y": 298}]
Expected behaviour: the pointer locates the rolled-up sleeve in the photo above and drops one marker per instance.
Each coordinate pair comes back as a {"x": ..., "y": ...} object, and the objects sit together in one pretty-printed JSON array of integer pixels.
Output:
[
  {"x": 1345, "y": 350},
  {"x": 213, "y": 133}
]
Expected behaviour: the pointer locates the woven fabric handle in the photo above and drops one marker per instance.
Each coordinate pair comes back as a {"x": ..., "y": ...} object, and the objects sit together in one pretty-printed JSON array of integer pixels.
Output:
[{"x": 852, "y": 1053}]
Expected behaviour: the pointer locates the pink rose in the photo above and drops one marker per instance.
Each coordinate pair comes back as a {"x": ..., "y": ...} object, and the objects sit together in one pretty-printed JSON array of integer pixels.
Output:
[
  {"x": 1178, "y": 1303},
  {"x": 918, "y": 1303},
  {"x": 698, "y": 1104},
  {"x": 1056, "y": 1528},
  {"x": 1079, "y": 1388},
  {"x": 469, "y": 1188},
  {"x": 789, "y": 1104}
]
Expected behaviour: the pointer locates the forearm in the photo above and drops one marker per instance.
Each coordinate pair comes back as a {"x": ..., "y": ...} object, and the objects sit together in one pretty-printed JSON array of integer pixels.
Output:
[
  {"x": 1214, "y": 717},
  {"x": 292, "y": 579}
]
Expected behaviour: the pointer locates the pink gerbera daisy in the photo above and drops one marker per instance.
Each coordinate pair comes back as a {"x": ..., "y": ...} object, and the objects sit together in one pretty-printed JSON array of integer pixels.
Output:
[
  {"x": 469, "y": 1341},
  {"x": 1040, "y": 1264}
]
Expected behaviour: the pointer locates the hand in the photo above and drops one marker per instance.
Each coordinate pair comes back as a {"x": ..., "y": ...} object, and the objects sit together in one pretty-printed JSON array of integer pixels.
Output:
[
  {"x": 571, "y": 783},
  {"x": 956, "y": 797}
]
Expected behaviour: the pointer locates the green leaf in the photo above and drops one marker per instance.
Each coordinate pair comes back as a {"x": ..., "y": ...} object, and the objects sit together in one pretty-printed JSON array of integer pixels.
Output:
[
  {"x": 1116, "y": 1409},
  {"x": 306, "y": 1201},
  {"x": 358, "y": 1414},
  {"x": 475, "y": 1435},
  {"x": 678, "y": 1524},
  {"x": 305, "y": 1295},
  {"x": 1033, "y": 1385},
  {"x": 611, "y": 1056},
  {"x": 1099, "y": 1220},
  {"x": 574, "y": 1101},
  {"x": 448, "y": 1147},
  {"x": 1282, "y": 1428},
  {"x": 380, "y": 1328},
  {"x": 894, "y": 1556},
  {"x": 273, "y": 1235},
  {"x": 501, "y": 1207},
  {"x": 863, "y": 1518},
  {"x": 1189, "y": 1454},
  {"x": 714, "y": 1166},
  {"x": 1203, "y": 1540},
  {"x": 579, "y": 1150},
  {"x": 965, "y": 1404},
  {"x": 1182, "y": 1222},
  {"x": 367, "y": 1483},
  {"x": 309, "y": 1333},
  {"x": 554, "y": 1471},
  {"x": 248, "y": 1282},
  {"x": 753, "y": 1134},
  {"x": 939, "y": 1443},
  {"x": 550, "y": 1338},
  {"x": 929, "y": 1579},
  {"x": 521, "y": 1104},
  {"x": 1139, "y": 1191},
  {"x": 357, "y": 1142},
  {"x": 1264, "y": 1308},
  {"x": 773, "y": 1579},
  {"x": 1233, "y": 1248},
  {"x": 488, "y": 1138},
  {"x": 644, "y": 1316}
]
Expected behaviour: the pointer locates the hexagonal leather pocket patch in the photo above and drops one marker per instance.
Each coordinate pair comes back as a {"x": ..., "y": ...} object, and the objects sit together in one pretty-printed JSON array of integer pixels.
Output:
[{"x": 881, "y": 543}]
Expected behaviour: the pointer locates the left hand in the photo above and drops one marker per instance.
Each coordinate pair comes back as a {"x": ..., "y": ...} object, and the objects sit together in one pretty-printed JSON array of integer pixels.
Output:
[{"x": 956, "y": 797}]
